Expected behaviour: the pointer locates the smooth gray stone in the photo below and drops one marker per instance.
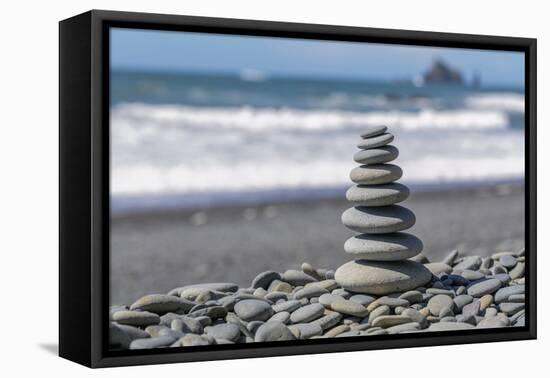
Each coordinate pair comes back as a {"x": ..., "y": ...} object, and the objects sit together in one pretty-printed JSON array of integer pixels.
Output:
[
  {"x": 438, "y": 302},
  {"x": 273, "y": 331},
  {"x": 166, "y": 319},
  {"x": 252, "y": 309},
  {"x": 216, "y": 286},
  {"x": 227, "y": 331},
  {"x": 362, "y": 299},
  {"x": 385, "y": 321},
  {"x": 307, "y": 313},
  {"x": 133, "y": 332},
  {"x": 461, "y": 290},
  {"x": 274, "y": 296},
  {"x": 479, "y": 289},
  {"x": 458, "y": 280},
  {"x": 508, "y": 261},
  {"x": 394, "y": 247},
  {"x": 450, "y": 258},
  {"x": 390, "y": 301},
  {"x": 309, "y": 292},
  {"x": 327, "y": 299},
  {"x": 518, "y": 271},
  {"x": 283, "y": 317},
  {"x": 213, "y": 312},
  {"x": 170, "y": 332},
  {"x": 188, "y": 325},
  {"x": 436, "y": 291},
  {"x": 412, "y": 296},
  {"x": 149, "y": 343},
  {"x": 376, "y": 155},
  {"x": 378, "y": 311},
  {"x": 490, "y": 312},
  {"x": 449, "y": 326},
  {"x": 471, "y": 309},
  {"x": 420, "y": 258},
  {"x": 376, "y": 174},
  {"x": 377, "y": 195},
  {"x": 154, "y": 330},
  {"x": 342, "y": 292},
  {"x": 329, "y": 320},
  {"x": 375, "y": 141},
  {"x": 374, "y": 131},
  {"x": 161, "y": 304},
  {"x": 306, "y": 330},
  {"x": 254, "y": 325},
  {"x": 407, "y": 327},
  {"x": 447, "y": 312},
  {"x": 472, "y": 275},
  {"x": 308, "y": 269},
  {"x": 462, "y": 300},
  {"x": 511, "y": 308},
  {"x": 118, "y": 339},
  {"x": 492, "y": 322},
  {"x": 503, "y": 277},
  {"x": 382, "y": 277},
  {"x": 116, "y": 308},
  {"x": 297, "y": 277},
  {"x": 136, "y": 318},
  {"x": 337, "y": 330},
  {"x": 516, "y": 298},
  {"x": 470, "y": 262},
  {"x": 264, "y": 279},
  {"x": 466, "y": 319},
  {"x": 194, "y": 340},
  {"x": 438, "y": 268},
  {"x": 378, "y": 220},
  {"x": 288, "y": 306},
  {"x": 349, "y": 308}
]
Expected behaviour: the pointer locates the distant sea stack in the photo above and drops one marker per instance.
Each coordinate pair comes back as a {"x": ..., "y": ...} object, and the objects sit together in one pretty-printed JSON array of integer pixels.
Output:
[
  {"x": 381, "y": 250},
  {"x": 441, "y": 73}
]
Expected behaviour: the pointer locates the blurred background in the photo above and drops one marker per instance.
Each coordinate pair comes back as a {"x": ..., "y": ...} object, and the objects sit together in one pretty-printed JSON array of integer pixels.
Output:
[{"x": 230, "y": 155}]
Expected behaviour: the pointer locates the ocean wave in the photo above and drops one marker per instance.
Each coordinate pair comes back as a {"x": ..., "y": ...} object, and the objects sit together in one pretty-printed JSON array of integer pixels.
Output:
[
  {"x": 511, "y": 102},
  {"x": 258, "y": 120}
]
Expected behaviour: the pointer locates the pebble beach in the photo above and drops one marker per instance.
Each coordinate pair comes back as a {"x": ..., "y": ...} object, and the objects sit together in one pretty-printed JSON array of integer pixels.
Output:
[{"x": 464, "y": 293}]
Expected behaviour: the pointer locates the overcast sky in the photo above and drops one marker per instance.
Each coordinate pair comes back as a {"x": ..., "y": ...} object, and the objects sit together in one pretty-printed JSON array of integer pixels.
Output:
[{"x": 182, "y": 51}]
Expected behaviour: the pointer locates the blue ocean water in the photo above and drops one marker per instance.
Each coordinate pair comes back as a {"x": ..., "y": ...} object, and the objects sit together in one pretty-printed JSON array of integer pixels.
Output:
[{"x": 179, "y": 138}]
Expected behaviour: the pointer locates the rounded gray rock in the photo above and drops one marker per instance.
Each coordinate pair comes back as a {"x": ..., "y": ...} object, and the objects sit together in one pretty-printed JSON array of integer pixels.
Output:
[
  {"x": 252, "y": 309},
  {"x": 481, "y": 288},
  {"x": 382, "y": 220},
  {"x": 273, "y": 331},
  {"x": 376, "y": 155},
  {"x": 161, "y": 304},
  {"x": 375, "y": 141},
  {"x": 503, "y": 294},
  {"x": 375, "y": 174},
  {"x": 307, "y": 313},
  {"x": 374, "y": 131},
  {"x": 154, "y": 342},
  {"x": 264, "y": 279},
  {"x": 437, "y": 303},
  {"x": 227, "y": 331},
  {"x": 136, "y": 318},
  {"x": 297, "y": 277},
  {"x": 377, "y": 195},
  {"x": 394, "y": 247},
  {"x": 382, "y": 277}
]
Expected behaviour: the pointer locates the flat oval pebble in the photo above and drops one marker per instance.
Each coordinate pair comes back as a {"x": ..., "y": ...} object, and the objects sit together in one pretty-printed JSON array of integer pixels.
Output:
[
  {"x": 327, "y": 299},
  {"x": 227, "y": 331},
  {"x": 161, "y": 304},
  {"x": 264, "y": 279},
  {"x": 297, "y": 277},
  {"x": 481, "y": 288},
  {"x": 362, "y": 299},
  {"x": 273, "y": 331},
  {"x": 438, "y": 268},
  {"x": 394, "y": 247},
  {"x": 378, "y": 220},
  {"x": 194, "y": 340},
  {"x": 307, "y": 313},
  {"x": 287, "y": 306},
  {"x": 376, "y": 155},
  {"x": 136, "y": 318},
  {"x": 386, "y": 321},
  {"x": 470, "y": 262},
  {"x": 382, "y": 277},
  {"x": 376, "y": 174},
  {"x": 377, "y": 195},
  {"x": 306, "y": 330},
  {"x": 472, "y": 275},
  {"x": 518, "y": 271},
  {"x": 309, "y": 292},
  {"x": 438, "y": 303},
  {"x": 349, "y": 308},
  {"x": 283, "y": 317},
  {"x": 329, "y": 320},
  {"x": 155, "y": 342},
  {"x": 375, "y": 141},
  {"x": 508, "y": 261},
  {"x": 374, "y": 131},
  {"x": 449, "y": 326},
  {"x": 252, "y": 309},
  {"x": 216, "y": 286},
  {"x": 403, "y": 328},
  {"x": 412, "y": 296},
  {"x": 462, "y": 300},
  {"x": 511, "y": 308}
]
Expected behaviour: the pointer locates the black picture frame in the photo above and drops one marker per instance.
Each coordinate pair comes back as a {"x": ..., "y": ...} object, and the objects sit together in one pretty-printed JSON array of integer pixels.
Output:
[{"x": 84, "y": 186}]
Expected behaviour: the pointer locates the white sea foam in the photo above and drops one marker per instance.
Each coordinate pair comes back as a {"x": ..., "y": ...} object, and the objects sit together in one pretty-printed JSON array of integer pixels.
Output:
[
  {"x": 258, "y": 120},
  {"x": 513, "y": 102}
]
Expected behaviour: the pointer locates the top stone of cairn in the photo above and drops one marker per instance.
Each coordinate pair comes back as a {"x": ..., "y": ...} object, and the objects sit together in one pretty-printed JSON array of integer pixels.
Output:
[{"x": 374, "y": 131}]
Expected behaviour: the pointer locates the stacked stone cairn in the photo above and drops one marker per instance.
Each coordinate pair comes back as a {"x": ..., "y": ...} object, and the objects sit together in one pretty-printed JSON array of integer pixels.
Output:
[{"x": 381, "y": 250}]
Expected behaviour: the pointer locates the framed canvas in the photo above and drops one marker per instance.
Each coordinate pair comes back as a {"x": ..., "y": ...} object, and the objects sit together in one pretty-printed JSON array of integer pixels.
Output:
[{"x": 235, "y": 188}]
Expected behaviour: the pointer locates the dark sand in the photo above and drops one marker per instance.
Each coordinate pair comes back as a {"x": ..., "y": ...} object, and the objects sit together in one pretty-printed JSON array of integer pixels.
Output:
[{"x": 153, "y": 253}]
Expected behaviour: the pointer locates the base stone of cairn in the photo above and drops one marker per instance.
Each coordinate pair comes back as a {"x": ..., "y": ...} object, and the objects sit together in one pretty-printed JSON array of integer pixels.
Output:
[{"x": 380, "y": 250}]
